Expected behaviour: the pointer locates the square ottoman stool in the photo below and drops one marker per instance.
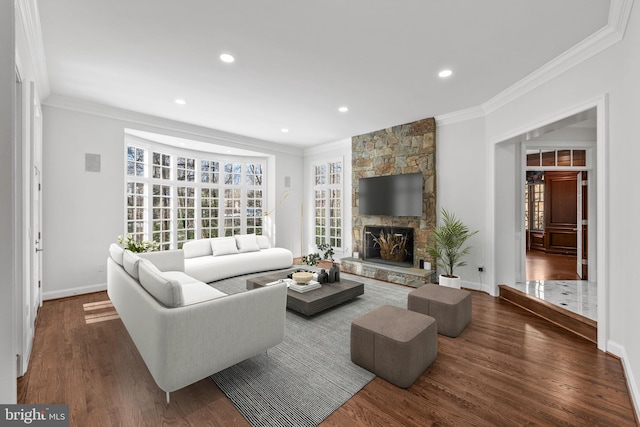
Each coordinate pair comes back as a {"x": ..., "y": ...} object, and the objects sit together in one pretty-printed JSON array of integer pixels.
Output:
[
  {"x": 449, "y": 306},
  {"x": 394, "y": 343}
]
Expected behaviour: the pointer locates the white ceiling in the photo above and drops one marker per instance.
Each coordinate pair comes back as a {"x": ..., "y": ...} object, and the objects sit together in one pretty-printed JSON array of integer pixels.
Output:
[{"x": 298, "y": 61}]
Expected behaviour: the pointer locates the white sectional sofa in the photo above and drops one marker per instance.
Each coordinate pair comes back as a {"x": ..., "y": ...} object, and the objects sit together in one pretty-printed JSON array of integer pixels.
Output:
[
  {"x": 184, "y": 329},
  {"x": 218, "y": 258}
]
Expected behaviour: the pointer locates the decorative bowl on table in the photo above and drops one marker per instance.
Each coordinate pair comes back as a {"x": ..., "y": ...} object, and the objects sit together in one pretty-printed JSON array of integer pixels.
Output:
[{"x": 302, "y": 277}]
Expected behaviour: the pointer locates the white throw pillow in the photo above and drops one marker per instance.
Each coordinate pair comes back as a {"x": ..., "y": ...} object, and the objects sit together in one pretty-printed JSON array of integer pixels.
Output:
[
  {"x": 223, "y": 246},
  {"x": 263, "y": 242},
  {"x": 247, "y": 243},
  {"x": 197, "y": 248},
  {"x": 160, "y": 286},
  {"x": 116, "y": 252},
  {"x": 130, "y": 263}
]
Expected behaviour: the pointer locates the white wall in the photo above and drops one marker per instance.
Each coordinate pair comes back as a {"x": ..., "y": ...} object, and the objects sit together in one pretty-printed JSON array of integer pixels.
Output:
[
  {"x": 461, "y": 188},
  {"x": 328, "y": 152},
  {"x": 84, "y": 211},
  {"x": 8, "y": 393}
]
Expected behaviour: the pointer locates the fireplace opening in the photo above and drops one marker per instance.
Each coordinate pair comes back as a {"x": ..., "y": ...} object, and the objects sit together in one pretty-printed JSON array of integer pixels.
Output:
[{"x": 388, "y": 245}]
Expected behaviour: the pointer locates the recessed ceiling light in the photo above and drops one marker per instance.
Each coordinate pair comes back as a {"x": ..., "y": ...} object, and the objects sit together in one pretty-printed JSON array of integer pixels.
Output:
[
  {"x": 180, "y": 101},
  {"x": 445, "y": 73},
  {"x": 343, "y": 109},
  {"x": 284, "y": 130},
  {"x": 228, "y": 58}
]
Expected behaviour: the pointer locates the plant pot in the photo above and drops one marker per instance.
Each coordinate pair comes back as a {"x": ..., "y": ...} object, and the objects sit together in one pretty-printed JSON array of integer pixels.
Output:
[{"x": 450, "y": 282}]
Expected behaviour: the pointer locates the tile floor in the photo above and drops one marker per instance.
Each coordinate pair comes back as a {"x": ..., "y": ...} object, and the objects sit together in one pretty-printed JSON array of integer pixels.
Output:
[{"x": 578, "y": 296}]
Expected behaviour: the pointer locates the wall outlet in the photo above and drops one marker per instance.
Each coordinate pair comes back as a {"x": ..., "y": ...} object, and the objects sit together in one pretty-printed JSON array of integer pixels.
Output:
[{"x": 480, "y": 269}]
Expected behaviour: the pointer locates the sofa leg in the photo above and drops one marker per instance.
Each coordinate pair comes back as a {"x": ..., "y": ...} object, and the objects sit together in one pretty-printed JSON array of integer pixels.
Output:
[{"x": 168, "y": 398}]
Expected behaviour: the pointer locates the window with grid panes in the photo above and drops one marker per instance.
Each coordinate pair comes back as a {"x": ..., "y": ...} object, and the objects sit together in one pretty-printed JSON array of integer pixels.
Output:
[
  {"x": 186, "y": 169},
  {"x": 328, "y": 203},
  {"x": 232, "y": 211},
  {"x": 161, "y": 206},
  {"x": 136, "y": 192},
  {"x": 186, "y": 215},
  {"x": 161, "y": 216},
  {"x": 209, "y": 172},
  {"x": 161, "y": 166},
  {"x": 135, "y": 161},
  {"x": 209, "y": 213},
  {"x": 254, "y": 198},
  {"x": 136, "y": 206}
]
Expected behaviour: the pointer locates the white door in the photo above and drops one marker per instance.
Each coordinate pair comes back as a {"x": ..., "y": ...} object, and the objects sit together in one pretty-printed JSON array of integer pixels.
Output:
[
  {"x": 36, "y": 260},
  {"x": 579, "y": 226}
]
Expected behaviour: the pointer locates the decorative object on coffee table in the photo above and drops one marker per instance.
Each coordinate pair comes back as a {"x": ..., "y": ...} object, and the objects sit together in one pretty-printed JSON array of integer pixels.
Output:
[
  {"x": 323, "y": 276},
  {"x": 336, "y": 269},
  {"x": 302, "y": 277}
]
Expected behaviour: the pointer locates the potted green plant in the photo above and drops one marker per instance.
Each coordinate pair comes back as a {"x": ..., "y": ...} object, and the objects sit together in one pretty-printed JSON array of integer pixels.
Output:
[
  {"x": 446, "y": 247},
  {"x": 134, "y": 245},
  {"x": 327, "y": 251},
  {"x": 311, "y": 259}
]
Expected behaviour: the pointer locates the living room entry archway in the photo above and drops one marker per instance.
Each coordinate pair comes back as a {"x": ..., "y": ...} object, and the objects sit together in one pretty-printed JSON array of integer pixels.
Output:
[{"x": 508, "y": 204}]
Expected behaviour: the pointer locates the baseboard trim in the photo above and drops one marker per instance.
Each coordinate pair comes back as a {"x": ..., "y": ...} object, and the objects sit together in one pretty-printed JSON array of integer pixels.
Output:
[
  {"x": 475, "y": 286},
  {"x": 619, "y": 351},
  {"x": 63, "y": 293}
]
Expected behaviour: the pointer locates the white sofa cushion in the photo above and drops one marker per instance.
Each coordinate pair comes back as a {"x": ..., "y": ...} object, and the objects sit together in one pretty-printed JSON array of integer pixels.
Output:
[
  {"x": 263, "y": 242},
  {"x": 170, "y": 260},
  {"x": 162, "y": 287},
  {"x": 246, "y": 243},
  {"x": 193, "y": 293},
  {"x": 193, "y": 290},
  {"x": 130, "y": 263},
  {"x": 116, "y": 252},
  {"x": 224, "y": 246},
  {"x": 197, "y": 248},
  {"x": 211, "y": 268}
]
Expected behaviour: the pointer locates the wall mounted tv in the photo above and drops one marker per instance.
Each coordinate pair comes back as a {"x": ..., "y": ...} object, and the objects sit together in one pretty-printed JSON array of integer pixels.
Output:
[{"x": 393, "y": 195}]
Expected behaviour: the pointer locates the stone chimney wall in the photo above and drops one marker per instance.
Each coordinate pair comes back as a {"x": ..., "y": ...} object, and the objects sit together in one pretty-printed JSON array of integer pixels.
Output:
[{"x": 398, "y": 150}]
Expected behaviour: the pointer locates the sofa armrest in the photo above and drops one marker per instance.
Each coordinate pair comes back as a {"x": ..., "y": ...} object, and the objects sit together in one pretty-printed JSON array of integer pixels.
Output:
[{"x": 172, "y": 260}]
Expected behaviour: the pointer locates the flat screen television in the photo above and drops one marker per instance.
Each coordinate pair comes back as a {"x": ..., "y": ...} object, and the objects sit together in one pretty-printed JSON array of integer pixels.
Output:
[{"x": 393, "y": 195}]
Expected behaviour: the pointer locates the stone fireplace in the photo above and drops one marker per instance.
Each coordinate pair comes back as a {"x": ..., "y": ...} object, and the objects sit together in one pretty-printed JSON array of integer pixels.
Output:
[
  {"x": 388, "y": 245},
  {"x": 402, "y": 149}
]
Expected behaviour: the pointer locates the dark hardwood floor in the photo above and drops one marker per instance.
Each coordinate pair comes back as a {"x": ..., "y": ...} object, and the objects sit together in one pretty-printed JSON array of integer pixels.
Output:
[
  {"x": 508, "y": 368},
  {"x": 542, "y": 266}
]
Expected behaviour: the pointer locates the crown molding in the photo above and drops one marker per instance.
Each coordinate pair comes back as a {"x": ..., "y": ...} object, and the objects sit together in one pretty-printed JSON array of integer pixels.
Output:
[
  {"x": 460, "y": 116},
  {"x": 612, "y": 33},
  {"x": 329, "y": 147},
  {"x": 184, "y": 130},
  {"x": 30, "y": 19}
]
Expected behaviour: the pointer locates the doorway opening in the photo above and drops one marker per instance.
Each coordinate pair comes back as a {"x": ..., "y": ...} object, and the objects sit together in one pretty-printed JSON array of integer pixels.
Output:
[{"x": 558, "y": 215}]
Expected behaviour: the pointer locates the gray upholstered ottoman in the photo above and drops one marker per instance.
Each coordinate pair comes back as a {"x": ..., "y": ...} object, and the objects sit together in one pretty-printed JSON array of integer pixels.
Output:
[
  {"x": 394, "y": 343},
  {"x": 449, "y": 306}
]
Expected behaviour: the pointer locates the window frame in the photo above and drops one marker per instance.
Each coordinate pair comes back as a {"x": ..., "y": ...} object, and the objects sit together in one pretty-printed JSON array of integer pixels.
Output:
[
  {"x": 328, "y": 188},
  {"x": 170, "y": 179}
]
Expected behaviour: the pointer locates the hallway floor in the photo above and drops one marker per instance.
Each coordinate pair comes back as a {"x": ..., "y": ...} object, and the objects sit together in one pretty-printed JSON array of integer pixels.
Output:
[
  {"x": 553, "y": 278},
  {"x": 577, "y": 296}
]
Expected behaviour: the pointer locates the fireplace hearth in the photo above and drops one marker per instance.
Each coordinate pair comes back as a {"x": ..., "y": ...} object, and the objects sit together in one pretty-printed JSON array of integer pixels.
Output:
[{"x": 388, "y": 245}]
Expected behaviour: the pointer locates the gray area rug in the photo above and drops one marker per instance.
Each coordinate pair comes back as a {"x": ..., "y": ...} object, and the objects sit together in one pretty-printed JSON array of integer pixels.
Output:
[{"x": 309, "y": 375}]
